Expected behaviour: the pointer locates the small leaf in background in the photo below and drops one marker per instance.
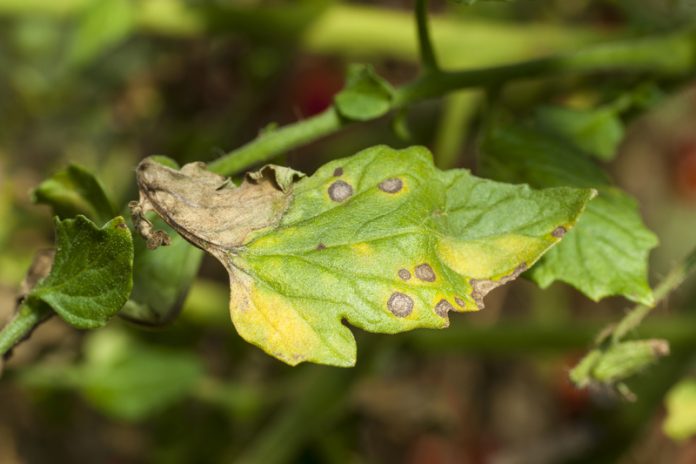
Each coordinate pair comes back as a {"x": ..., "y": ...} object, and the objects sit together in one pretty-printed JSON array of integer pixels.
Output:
[
  {"x": 103, "y": 24},
  {"x": 596, "y": 131},
  {"x": 365, "y": 96},
  {"x": 91, "y": 276},
  {"x": 618, "y": 362},
  {"x": 607, "y": 253},
  {"x": 680, "y": 423},
  {"x": 382, "y": 240},
  {"x": 122, "y": 377},
  {"x": 72, "y": 191}
]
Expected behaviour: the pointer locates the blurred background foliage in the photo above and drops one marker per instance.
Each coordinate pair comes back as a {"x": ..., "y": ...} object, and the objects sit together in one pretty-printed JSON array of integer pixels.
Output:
[{"x": 104, "y": 83}]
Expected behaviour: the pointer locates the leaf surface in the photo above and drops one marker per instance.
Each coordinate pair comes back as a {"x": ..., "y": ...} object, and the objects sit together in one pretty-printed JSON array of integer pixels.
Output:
[
  {"x": 382, "y": 240},
  {"x": 91, "y": 276},
  {"x": 607, "y": 253},
  {"x": 596, "y": 131}
]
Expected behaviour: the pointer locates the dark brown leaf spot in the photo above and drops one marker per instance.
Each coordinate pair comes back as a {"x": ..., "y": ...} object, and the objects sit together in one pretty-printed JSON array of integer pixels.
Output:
[
  {"x": 425, "y": 272},
  {"x": 340, "y": 191},
  {"x": 559, "y": 232},
  {"x": 400, "y": 305},
  {"x": 338, "y": 172},
  {"x": 404, "y": 274},
  {"x": 481, "y": 287},
  {"x": 392, "y": 185},
  {"x": 321, "y": 246},
  {"x": 121, "y": 225},
  {"x": 443, "y": 307},
  {"x": 459, "y": 301}
]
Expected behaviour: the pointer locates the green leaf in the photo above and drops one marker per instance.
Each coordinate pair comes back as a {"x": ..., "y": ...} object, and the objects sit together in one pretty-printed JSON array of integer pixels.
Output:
[
  {"x": 161, "y": 279},
  {"x": 91, "y": 276},
  {"x": 123, "y": 378},
  {"x": 365, "y": 96},
  {"x": 680, "y": 423},
  {"x": 597, "y": 131},
  {"x": 607, "y": 253},
  {"x": 72, "y": 191},
  {"x": 382, "y": 240}
]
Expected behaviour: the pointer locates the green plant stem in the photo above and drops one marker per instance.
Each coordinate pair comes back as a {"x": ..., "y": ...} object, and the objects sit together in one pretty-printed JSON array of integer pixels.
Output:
[
  {"x": 425, "y": 45},
  {"x": 274, "y": 142},
  {"x": 648, "y": 54},
  {"x": 24, "y": 321},
  {"x": 665, "y": 55},
  {"x": 673, "y": 280}
]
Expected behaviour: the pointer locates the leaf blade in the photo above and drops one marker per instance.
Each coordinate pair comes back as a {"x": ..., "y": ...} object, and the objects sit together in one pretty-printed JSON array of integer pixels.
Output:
[{"x": 91, "y": 276}]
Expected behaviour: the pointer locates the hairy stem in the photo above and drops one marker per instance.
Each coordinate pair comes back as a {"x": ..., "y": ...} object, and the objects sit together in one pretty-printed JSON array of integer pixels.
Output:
[
  {"x": 21, "y": 325},
  {"x": 425, "y": 45},
  {"x": 274, "y": 142},
  {"x": 673, "y": 280},
  {"x": 664, "y": 55}
]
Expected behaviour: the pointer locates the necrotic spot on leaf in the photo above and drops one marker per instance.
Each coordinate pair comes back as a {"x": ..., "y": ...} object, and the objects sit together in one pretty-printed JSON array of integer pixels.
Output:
[
  {"x": 443, "y": 307},
  {"x": 340, "y": 191},
  {"x": 392, "y": 185},
  {"x": 404, "y": 274},
  {"x": 338, "y": 172},
  {"x": 481, "y": 287},
  {"x": 400, "y": 305},
  {"x": 425, "y": 272},
  {"x": 559, "y": 232},
  {"x": 459, "y": 301},
  {"x": 321, "y": 246}
]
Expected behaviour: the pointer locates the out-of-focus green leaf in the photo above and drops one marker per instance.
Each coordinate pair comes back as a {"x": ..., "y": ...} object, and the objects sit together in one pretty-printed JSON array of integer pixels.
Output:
[
  {"x": 365, "y": 96},
  {"x": 122, "y": 377},
  {"x": 382, "y": 240},
  {"x": 91, "y": 276},
  {"x": 103, "y": 24},
  {"x": 597, "y": 131},
  {"x": 607, "y": 253},
  {"x": 161, "y": 279},
  {"x": 680, "y": 423},
  {"x": 72, "y": 191}
]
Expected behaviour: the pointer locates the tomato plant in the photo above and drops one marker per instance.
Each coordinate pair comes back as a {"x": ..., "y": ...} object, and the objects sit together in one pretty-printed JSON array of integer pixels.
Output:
[{"x": 380, "y": 233}]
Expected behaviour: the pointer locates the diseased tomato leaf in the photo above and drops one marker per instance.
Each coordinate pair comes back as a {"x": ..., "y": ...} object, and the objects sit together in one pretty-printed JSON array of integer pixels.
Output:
[{"x": 382, "y": 240}]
